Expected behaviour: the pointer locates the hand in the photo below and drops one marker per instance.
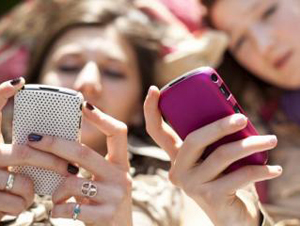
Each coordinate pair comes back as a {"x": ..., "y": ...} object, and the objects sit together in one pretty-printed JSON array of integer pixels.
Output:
[
  {"x": 112, "y": 203},
  {"x": 17, "y": 199},
  {"x": 216, "y": 193}
]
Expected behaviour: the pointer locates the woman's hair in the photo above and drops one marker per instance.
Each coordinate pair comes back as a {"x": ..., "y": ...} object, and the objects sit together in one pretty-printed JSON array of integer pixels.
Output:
[
  {"x": 208, "y": 5},
  {"x": 244, "y": 85},
  {"x": 20, "y": 25},
  {"x": 132, "y": 24}
]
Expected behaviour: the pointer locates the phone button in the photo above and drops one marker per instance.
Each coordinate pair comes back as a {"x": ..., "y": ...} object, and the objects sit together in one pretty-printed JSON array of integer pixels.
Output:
[
  {"x": 236, "y": 109},
  {"x": 224, "y": 91},
  {"x": 80, "y": 122}
]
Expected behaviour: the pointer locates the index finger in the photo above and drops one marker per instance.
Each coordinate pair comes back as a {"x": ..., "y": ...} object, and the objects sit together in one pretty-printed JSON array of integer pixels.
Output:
[
  {"x": 116, "y": 132},
  {"x": 159, "y": 130},
  {"x": 8, "y": 89}
]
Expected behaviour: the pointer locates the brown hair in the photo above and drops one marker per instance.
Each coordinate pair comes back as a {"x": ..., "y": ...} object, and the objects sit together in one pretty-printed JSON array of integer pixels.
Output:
[
  {"x": 20, "y": 24},
  {"x": 208, "y": 5}
]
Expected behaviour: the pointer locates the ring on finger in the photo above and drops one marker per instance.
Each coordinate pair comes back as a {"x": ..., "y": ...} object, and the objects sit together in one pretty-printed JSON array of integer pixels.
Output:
[
  {"x": 76, "y": 211},
  {"x": 10, "y": 182},
  {"x": 88, "y": 189}
]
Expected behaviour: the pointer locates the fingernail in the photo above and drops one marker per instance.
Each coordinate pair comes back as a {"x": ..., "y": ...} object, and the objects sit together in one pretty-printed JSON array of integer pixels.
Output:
[
  {"x": 149, "y": 90},
  {"x": 275, "y": 170},
  {"x": 241, "y": 120},
  {"x": 89, "y": 106},
  {"x": 279, "y": 169},
  {"x": 273, "y": 140},
  {"x": 34, "y": 137},
  {"x": 73, "y": 169},
  {"x": 15, "y": 81}
]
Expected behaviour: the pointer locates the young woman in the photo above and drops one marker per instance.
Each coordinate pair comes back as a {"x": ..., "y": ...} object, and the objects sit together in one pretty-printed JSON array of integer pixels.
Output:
[
  {"x": 265, "y": 43},
  {"x": 264, "y": 39},
  {"x": 105, "y": 50}
]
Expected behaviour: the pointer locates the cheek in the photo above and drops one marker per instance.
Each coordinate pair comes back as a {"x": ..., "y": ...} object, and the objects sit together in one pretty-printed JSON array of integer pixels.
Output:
[
  {"x": 288, "y": 16},
  {"x": 249, "y": 58},
  {"x": 123, "y": 100},
  {"x": 253, "y": 62}
]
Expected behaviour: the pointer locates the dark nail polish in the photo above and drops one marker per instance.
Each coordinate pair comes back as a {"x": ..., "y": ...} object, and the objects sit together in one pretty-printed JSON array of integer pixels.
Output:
[
  {"x": 15, "y": 81},
  {"x": 34, "y": 137},
  {"x": 89, "y": 106},
  {"x": 73, "y": 169}
]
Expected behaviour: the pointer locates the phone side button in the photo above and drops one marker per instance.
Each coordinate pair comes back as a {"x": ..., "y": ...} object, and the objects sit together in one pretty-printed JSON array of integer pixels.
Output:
[
  {"x": 236, "y": 109},
  {"x": 80, "y": 122},
  {"x": 224, "y": 91}
]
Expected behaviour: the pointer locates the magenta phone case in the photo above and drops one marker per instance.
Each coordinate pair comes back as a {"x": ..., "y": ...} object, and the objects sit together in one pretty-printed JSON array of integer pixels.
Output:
[{"x": 198, "y": 98}]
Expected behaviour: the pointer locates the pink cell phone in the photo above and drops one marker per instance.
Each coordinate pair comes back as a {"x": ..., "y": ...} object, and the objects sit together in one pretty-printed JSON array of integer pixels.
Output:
[{"x": 198, "y": 98}]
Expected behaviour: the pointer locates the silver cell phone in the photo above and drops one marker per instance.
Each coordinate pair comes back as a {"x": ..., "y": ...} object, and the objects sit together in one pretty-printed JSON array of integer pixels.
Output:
[{"x": 45, "y": 110}]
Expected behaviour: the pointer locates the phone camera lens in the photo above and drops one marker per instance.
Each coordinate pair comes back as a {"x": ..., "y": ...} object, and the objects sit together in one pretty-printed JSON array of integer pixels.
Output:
[{"x": 214, "y": 77}]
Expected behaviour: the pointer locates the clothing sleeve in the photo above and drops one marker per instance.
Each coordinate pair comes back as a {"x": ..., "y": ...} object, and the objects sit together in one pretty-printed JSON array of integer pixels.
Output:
[
  {"x": 268, "y": 221},
  {"x": 265, "y": 219}
]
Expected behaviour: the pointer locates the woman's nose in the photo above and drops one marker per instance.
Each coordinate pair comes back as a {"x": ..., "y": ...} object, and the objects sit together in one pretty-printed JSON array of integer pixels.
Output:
[
  {"x": 88, "y": 80},
  {"x": 264, "y": 40}
]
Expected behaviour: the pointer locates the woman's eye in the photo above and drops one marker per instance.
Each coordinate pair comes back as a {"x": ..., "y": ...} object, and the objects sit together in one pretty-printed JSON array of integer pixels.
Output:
[
  {"x": 239, "y": 43},
  {"x": 69, "y": 68},
  {"x": 270, "y": 11},
  {"x": 114, "y": 74}
]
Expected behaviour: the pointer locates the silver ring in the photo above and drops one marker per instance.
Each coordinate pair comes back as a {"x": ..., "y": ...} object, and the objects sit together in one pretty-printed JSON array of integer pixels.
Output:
[
  {"x": 88, "y": 189},
  {"x": 76, "y": 212},
  {"x": 10, "y": 182}
]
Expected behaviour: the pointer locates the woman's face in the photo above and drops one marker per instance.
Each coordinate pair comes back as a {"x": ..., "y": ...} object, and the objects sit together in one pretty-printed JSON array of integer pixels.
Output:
[
  {"x": 101, "y": 64},
  {"x": 264, "y": 37}
]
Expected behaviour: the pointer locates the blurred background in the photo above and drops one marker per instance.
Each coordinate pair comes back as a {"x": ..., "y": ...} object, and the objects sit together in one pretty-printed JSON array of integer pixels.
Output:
[{"x": 186, "y": 42}]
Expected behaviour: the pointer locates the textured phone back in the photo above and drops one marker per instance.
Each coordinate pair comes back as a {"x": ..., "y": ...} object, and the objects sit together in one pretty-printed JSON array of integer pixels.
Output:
[
  {"x": 197, "y": 101},
  {"x": 48, "y": 113}
]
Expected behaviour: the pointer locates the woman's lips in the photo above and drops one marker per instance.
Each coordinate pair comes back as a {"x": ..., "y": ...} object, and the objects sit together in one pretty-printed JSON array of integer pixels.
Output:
[{"x": 283, "y": 60}]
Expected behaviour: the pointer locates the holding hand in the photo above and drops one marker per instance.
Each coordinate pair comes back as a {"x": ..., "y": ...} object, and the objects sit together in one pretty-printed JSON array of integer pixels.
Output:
[
  {"x": 16, "y": 191},
  {"x": 106, "y": 198},
  {"x": 203, "y": 181}
]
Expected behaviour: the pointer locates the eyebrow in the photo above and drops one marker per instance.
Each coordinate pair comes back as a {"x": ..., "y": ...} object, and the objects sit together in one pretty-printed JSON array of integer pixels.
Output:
[
  {"x": 237, "y": 44},
  {"x": 255, "y": 6},
  {"x": 239, "y": 41},
  {"x": 77, "y": 53},
  {"x": 115, "y": 60}
]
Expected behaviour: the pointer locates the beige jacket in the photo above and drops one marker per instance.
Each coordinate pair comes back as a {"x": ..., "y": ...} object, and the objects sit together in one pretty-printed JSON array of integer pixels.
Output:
[{"x": 284, "y": 192}]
